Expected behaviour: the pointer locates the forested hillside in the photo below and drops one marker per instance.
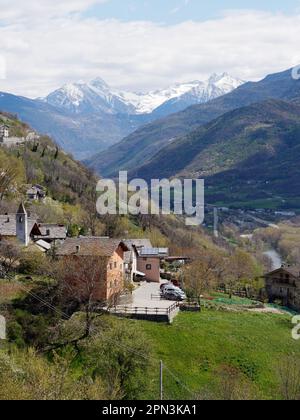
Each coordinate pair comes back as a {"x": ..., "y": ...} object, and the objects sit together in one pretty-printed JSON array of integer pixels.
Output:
[{"x": 249, "y": 157}]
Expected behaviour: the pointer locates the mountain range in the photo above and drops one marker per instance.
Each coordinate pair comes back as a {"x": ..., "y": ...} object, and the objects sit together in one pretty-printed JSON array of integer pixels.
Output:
[
  {"x": 137, "y": 150},
  {"x": 98, "y": 96},
  {"x": 86, "y": 118},
  {"x": 246, "y": 144}
]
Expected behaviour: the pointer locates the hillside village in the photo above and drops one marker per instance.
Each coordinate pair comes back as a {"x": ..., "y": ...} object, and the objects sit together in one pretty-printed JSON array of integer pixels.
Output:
[
  {"x": 149, "y": 203},
  {"x": 8, "y": 140},
  {"x": 131, "y": 260},
  {"x": 72, "y": 281}
]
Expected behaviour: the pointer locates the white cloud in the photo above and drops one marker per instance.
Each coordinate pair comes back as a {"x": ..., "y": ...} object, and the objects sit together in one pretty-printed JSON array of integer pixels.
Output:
[
  {"x": 30, "y": 10},
  {"x": 42, "y": 54}
]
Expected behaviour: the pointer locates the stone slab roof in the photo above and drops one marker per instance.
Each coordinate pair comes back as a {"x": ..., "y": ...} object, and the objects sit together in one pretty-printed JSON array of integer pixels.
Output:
[
  {"x": 90, "y": 246},
  {"x": 52, "y": 231},
  {"x": 8, "y": 225}
]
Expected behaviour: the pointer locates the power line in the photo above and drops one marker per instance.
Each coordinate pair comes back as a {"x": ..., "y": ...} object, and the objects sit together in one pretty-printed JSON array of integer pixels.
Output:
[{"x": 127, "y": 348}]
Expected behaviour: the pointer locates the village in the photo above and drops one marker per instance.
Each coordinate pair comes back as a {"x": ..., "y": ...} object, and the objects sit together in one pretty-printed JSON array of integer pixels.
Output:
[
  {"x": 7, "y": 140},
  {"x": 105, "y": 303},
  {"x": 137, "y": 281}
]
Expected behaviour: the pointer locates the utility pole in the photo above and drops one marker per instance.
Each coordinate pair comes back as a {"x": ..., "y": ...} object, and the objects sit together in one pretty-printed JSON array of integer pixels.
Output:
[{"x": 161, "y": 381}]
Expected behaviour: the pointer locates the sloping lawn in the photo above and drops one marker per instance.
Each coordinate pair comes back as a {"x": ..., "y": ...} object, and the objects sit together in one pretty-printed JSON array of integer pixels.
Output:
[{"x": 199, "y": 343}]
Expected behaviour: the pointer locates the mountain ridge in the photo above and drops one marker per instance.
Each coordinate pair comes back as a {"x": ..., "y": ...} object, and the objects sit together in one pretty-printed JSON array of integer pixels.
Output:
[
  {"x": 248, "y": 157},
  {"x": 140, "y": 147},
  {"x": 88, "y": 118},
  {"x": 96, "y": 95}
]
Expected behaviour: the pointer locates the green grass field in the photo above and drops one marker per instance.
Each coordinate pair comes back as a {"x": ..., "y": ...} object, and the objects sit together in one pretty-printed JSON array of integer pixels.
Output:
[{"x": 198, "y": 343}]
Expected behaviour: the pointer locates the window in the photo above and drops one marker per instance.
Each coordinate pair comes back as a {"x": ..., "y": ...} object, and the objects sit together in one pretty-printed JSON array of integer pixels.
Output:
[
  {"x": 115, "y": 264},
  {"x": 110, "y": 266},
  {"x": 148, "y": 267},
  {"x": 116, "y": 283},
  {"x": 121, "y": 266}
]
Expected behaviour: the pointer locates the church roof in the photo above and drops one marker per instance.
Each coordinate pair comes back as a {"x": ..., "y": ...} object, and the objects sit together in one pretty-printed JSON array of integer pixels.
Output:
[{"x": 21, "y": 209}]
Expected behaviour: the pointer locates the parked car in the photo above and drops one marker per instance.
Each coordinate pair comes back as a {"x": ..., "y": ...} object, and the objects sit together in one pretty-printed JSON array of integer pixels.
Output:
[
  {"x": 171, "y": 288},
  {"x": 175, "y": 295},
  {"x": 163, "y": 285}
]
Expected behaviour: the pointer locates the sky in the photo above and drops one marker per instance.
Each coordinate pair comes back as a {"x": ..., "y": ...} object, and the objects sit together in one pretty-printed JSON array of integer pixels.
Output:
[{"x": 140, "y": 45}]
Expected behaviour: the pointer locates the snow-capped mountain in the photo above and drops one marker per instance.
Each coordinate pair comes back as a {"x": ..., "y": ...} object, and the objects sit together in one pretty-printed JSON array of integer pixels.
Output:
[
  {"x": 88, "y": 98},
  {"x": 97, "y": 96},
  {"x": 87, "y": 118}
]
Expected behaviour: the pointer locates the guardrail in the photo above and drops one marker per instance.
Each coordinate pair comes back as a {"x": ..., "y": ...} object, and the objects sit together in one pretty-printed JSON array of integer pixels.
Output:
[{"x": 144, "y": 310}]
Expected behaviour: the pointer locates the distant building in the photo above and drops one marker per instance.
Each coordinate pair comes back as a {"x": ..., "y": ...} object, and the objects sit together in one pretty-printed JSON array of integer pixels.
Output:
[
  {"x": 54, "y": 234},
  {"x": 149, "y": 262},
  {"x": 4, "y": 131},
  {"x": 131, "y": 258},
  {"x": 111, "y": 251},
  {"x": 36, "y": 193},
  {"x": 7, "y": 140},
  {"x": 27, "y": 230},
  {"x": 285, "y": 213},
  {"x": 284, "y": 285},
  {"x": 17, "y": 226}
]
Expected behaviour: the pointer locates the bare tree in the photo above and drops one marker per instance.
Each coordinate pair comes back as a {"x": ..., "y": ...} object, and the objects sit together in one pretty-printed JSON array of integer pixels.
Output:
[
  {"x": 289, "y": 374},
  {"x": 10, "y": 254},
  {"x": 232, "y": 385},
  {"x": 81, "y": 282},
  {"x": 91, "y": 220},
  {"x": 8, "y": 176},
  {"x": 241, "y": 266},
  {"x": 203, "y": 274}
]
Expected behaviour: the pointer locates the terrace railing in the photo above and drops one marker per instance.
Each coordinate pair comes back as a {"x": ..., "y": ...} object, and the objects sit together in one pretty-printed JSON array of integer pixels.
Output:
[{"x": 144, "y": 310}]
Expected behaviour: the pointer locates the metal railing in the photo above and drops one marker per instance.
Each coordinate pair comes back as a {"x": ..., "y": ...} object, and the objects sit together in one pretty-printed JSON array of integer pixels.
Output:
[{"x": 144, "y": 310}]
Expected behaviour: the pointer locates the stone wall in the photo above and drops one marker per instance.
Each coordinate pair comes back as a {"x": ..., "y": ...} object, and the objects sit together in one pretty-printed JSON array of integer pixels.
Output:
[{"x": 12, "y": 141}]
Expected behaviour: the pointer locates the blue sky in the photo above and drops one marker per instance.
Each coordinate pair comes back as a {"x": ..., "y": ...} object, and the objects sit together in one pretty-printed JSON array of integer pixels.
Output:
[{"x": 175, "y": 11}]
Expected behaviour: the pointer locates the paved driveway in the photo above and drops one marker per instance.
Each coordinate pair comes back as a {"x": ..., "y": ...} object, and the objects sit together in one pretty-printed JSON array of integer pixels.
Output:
[
  {"x": 147, "y": 303},
  {"x": 142, "y": 297}
]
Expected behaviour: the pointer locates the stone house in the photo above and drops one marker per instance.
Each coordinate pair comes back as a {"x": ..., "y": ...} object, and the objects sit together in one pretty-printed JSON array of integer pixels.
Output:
[
  {"x": 109, "y": 251},
  {"x": 284, "y": 285},
  {"x": 54, "y": 234},
  {"x": 131, "y": 258},
  {"x": 4, "y": 132},
  {"x": 149, "y": 262},
  {"x": 36, "y": 193}
]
